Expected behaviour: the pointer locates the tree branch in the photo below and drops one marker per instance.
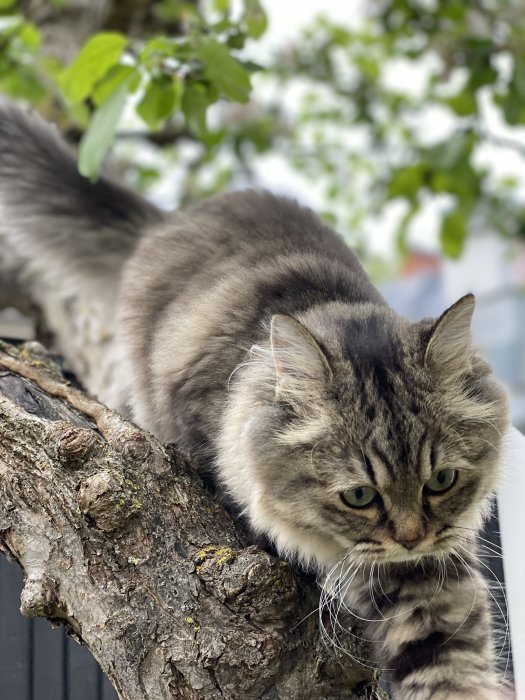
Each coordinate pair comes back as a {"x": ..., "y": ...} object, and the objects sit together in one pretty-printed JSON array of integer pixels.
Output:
[{"x": 120, "y": 541}]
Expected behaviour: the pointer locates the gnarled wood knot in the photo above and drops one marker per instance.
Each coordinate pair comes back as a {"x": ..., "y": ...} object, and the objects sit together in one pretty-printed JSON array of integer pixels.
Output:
[
  {"x": 75, "y": 444},
  {"x": 109, "y": 500}
]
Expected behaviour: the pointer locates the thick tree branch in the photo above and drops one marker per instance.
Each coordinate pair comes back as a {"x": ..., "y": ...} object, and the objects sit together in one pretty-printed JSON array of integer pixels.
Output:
[{"x": 119, "y": 540}]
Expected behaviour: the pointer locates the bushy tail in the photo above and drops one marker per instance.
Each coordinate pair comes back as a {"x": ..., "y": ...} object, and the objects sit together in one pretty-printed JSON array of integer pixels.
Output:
[
  {"x": 66, "y": 237},
  {"x": 50, "y": 214}
]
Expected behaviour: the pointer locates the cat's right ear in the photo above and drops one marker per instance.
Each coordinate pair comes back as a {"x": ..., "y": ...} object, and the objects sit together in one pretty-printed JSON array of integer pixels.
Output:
[
  {"x": 449, "y": 349},
  {"x": 299, "y": 361}
]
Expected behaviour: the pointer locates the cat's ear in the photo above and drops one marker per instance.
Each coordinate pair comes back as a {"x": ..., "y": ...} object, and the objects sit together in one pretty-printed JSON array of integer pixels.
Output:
[
  {"x": 449, "y": 348},
  {"x": 299, "y": 361}
]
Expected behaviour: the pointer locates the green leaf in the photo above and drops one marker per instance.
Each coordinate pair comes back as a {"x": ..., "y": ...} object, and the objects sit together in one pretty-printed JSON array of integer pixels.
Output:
[
  {"x": 453, "y": 10},
  {"x": 406, "y": 182},
  {"x": 80, "y": 115},
  {"x": 96, "y": 57},
  {"x": 237, "y": 40},
  {"x": 464, "y": 103},
  {"x": 368, "y": 66},
  {"x": 24, "y": 84},
  {"x": 157, "y": 49},
  {"x": 99, "y": 136},
  {"x": 195, "y": 103},
  {"x": 178, "y": 11},
  {"x": 453, "y": 233},
  {"x": 513, "y": 108},
  {"x": 255, "y": 19},
  {"x": 484, "y": 76},
  {"x": 7, "y": 4},
  {"x": 222, "y": 6},
  {"x": 29, "y": 35},
  {"x": 518, "y": 77},
  {"x": 145, "y": 176},
  {"x": 162, "y": 98},
  {"x": 442, "y": 181},
  {"x": 338, "y": 35},
  {"x": 464, "y": 181},
  {"x": 403, "y": 230},
  {"x": 448, "y": 154},
  {"x": 113, "y": 79},
  {"x": 224, "y": 71}
]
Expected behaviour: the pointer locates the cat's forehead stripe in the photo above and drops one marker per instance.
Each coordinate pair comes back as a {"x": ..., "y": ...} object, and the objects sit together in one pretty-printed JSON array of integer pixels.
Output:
[
  {"x": 381, "y": 470},
  {"x": 370, "y": 470},
  {"x": 384, "y": 461},
  {"x": 421, "y": 447}
]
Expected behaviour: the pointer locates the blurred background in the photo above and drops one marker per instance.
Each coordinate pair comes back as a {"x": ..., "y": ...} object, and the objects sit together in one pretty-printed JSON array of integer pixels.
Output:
[{"x": 401, "y": 122}]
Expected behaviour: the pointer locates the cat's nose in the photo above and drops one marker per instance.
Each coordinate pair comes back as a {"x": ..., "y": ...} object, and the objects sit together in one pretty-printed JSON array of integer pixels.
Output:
[
  {"x": 406, "y": 528},
  {"x": 409, "y": 544}
]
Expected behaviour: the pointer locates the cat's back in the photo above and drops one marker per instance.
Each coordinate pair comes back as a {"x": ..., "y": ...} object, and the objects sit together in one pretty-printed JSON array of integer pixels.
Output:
[
  {"x": 254, "y": 222},
  {"x": 226, "y": 236},
  {"x": 197, "y": 290},
  {"x": 240, "y": 227}
]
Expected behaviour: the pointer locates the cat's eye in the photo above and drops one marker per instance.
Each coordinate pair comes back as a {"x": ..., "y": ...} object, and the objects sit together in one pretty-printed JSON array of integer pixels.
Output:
[
  {"x": 360, "y": 497},
  {"x": 442, "y": 481}
]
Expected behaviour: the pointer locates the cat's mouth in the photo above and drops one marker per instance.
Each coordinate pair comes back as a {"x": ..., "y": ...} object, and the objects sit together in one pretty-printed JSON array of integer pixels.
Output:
[
  {"x": 392, "y": 552},
  {"x": 402, "y": 556}
]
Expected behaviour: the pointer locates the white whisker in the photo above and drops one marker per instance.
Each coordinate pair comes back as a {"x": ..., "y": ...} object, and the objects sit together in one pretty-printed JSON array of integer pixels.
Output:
[{"x": 468, "y": 570}]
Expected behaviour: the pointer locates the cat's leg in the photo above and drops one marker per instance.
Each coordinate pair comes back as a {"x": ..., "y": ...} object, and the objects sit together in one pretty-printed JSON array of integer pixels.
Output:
[{"x": 431, "y": 629}]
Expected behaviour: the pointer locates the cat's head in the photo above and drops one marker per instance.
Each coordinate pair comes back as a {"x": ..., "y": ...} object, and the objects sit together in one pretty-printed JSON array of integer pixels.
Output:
[{"x": 356, "y": 431}]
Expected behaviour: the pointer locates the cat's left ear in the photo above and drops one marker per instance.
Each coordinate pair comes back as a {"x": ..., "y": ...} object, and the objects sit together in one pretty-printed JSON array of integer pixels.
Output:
[
  {"x": 449, "y": 348},
  {"x": 298, "y": 359}
]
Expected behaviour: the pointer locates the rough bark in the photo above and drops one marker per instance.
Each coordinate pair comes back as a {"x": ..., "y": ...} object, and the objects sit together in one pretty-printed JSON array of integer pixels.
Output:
[{"x": 120, "y": 541}]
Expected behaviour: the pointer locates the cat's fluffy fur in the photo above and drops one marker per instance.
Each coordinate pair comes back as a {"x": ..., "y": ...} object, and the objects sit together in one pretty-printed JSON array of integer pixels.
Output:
[{"x": 245, "y": 330}]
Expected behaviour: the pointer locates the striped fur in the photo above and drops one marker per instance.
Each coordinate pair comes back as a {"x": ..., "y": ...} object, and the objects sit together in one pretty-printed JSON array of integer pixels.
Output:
[
  {"x": 245, "y": 330},
  {"x": 430, "y": 626}
]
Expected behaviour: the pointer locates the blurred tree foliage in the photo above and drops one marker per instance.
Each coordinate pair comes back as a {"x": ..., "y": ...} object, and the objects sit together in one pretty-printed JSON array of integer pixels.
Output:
[{"x": 345, "y": 123}]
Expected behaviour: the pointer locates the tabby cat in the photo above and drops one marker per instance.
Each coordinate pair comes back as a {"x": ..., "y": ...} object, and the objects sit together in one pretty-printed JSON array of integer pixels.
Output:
[{"x": 244, "y": 329}]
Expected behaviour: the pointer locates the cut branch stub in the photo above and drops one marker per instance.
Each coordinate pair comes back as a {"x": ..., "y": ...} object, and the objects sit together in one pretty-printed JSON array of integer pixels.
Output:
[{"x": 39, "y": 598}]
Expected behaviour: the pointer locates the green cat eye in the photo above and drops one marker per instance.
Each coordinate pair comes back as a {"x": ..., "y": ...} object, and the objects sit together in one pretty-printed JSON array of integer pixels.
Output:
[
  {"x": 359, "y": 497},
  {"x": 442, "y": 481}
]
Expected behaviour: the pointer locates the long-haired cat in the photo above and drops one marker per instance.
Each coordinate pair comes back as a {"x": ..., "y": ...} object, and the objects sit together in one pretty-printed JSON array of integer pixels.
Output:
[{"x": 244, "y": 329}]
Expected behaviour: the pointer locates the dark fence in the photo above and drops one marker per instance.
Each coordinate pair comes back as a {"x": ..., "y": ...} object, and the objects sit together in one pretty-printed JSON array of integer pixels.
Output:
[{"x": 38, "y": 662}]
